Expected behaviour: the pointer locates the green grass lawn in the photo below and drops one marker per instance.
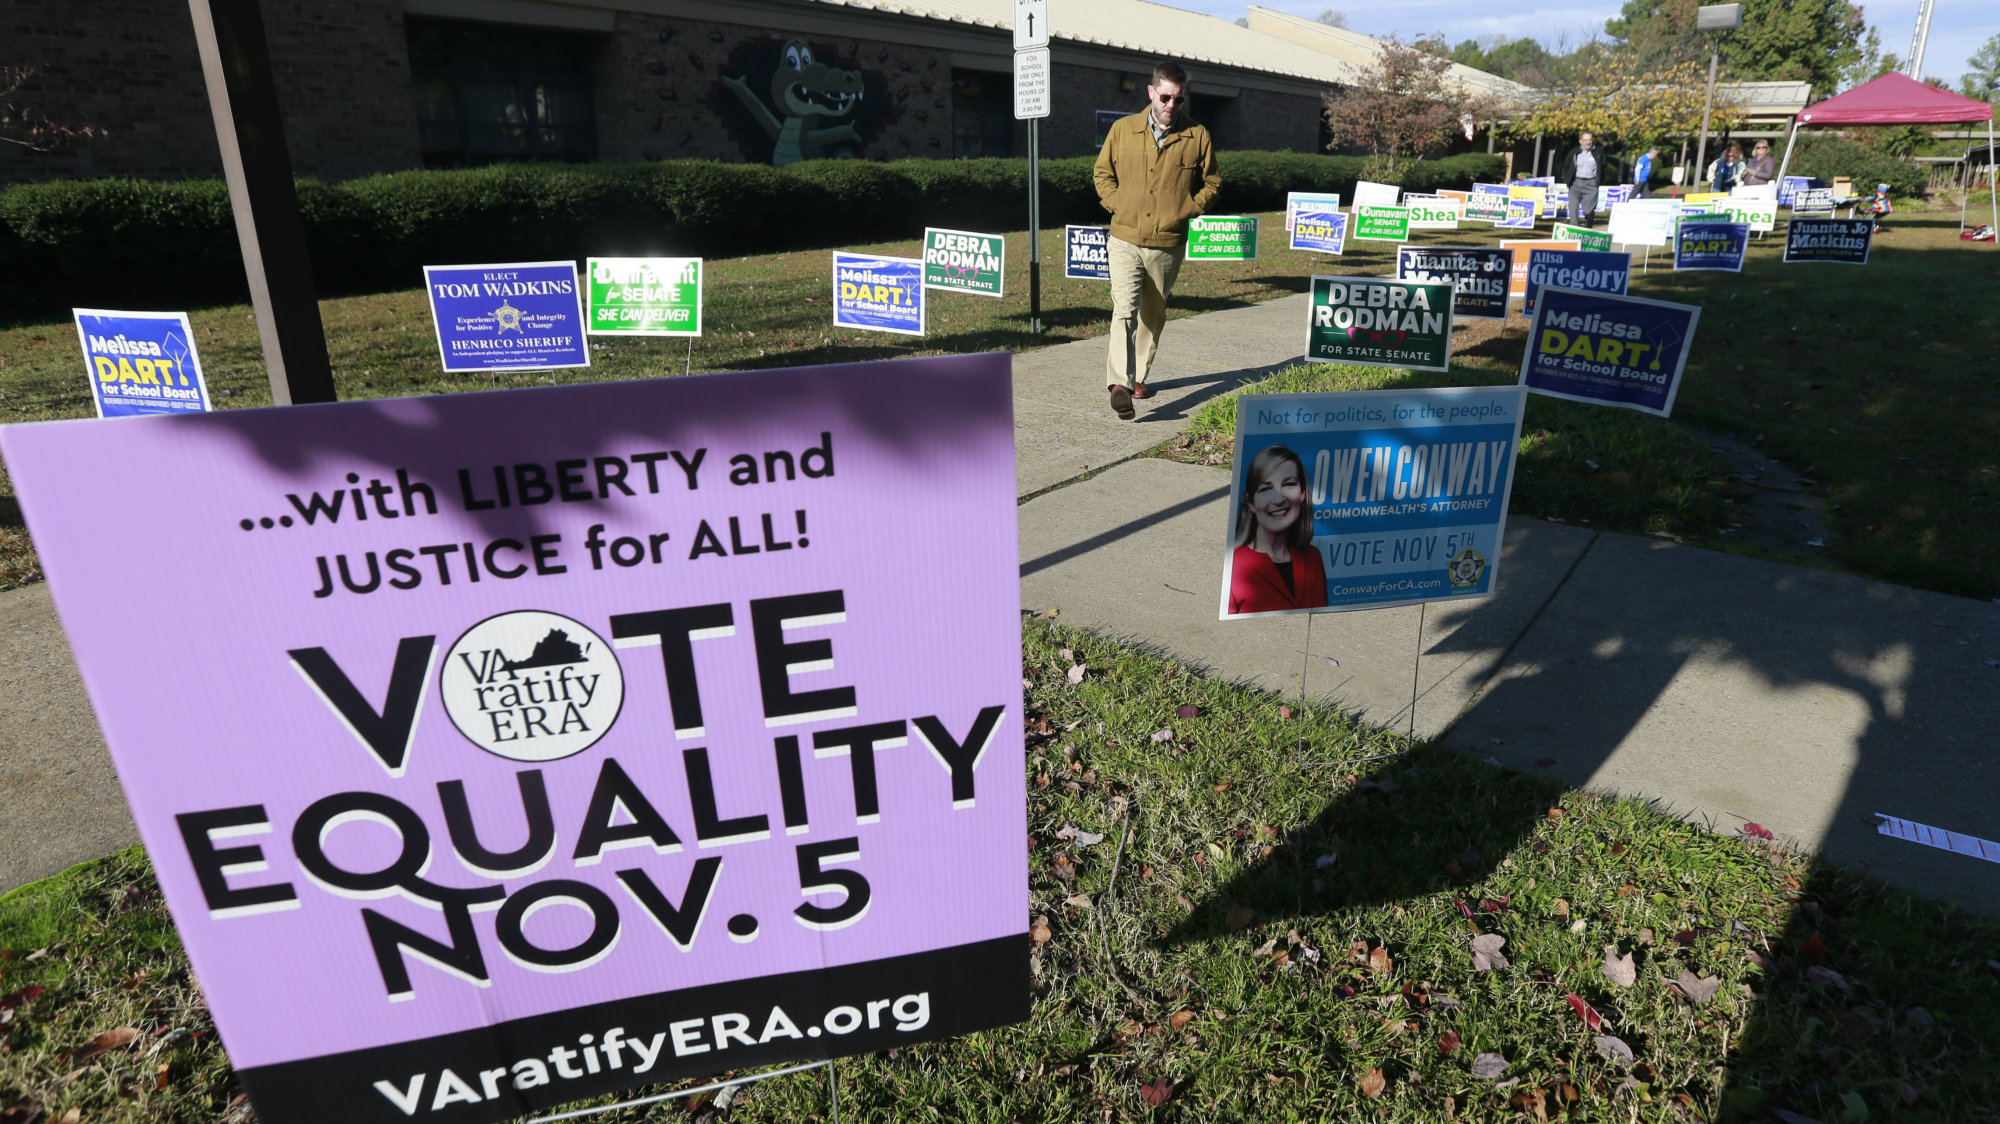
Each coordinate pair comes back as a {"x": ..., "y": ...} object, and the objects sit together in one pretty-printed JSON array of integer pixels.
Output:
[
  {"x": 1881, "y": 383},
  {"x": 1264, "y": 933}
]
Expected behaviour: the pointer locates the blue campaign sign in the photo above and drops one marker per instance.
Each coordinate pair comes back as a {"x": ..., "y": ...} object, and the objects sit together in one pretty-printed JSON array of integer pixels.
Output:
[
  {"x": 521, "y": 316},
  {"x": 1087, "y": 252},
  {"x": 1706, "y": 244},
  {"x": 1789, "y": 188},
  {"x": 140, "y": 363},
  {"x": 1520, "y": 215},
  {"x": 1369, "y": 498},
  {"x": 1617, "y": 351},
  {"x": 878, "y": 294},
  {"x": 1593, "y": 271},
  {"x": 1320, "y": 231}
]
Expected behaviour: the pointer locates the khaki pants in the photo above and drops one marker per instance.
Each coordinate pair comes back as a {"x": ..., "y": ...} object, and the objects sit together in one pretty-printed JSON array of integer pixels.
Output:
[{"x": 1141, "y": 281}]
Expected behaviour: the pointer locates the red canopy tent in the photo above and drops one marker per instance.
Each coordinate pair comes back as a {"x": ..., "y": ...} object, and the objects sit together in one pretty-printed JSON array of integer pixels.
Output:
[{"x": 1898, "y": 99}]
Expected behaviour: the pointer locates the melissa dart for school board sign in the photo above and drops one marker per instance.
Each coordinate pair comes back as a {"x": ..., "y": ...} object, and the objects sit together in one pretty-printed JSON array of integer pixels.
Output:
[{"x": 499, "y": 750}]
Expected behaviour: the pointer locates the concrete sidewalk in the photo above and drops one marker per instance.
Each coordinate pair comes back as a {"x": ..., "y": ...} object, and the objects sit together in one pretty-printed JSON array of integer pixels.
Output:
[{"x": 1729, "y": 689}]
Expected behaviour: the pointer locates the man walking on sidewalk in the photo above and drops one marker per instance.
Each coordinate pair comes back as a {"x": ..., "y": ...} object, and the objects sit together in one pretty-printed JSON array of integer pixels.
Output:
[
  {"x": 1583, "y": 168},
  {"x": 1156, "y": 171}
]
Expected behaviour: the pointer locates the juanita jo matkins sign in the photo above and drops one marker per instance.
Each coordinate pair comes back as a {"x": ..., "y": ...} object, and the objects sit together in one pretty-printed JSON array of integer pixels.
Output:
[{"x": 587, "y": 741}]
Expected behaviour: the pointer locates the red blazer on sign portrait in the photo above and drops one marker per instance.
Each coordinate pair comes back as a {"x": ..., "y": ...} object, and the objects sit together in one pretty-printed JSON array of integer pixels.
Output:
[{"x": 1256, "y": 586}]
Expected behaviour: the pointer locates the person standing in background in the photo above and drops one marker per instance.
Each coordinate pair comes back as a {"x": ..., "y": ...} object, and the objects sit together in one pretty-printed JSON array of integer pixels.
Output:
[
  {"x": 1156, "y": 171},
  {"x": 1760, "y": 168},
  {"x": 1722, "y": 174},
  {"x": 1642, "y": 172},
  {"x": 1583, "y": 168}
]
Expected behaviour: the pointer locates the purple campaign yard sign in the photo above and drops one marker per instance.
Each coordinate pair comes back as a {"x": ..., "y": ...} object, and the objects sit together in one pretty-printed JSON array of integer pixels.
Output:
[
  {"x": 526, "y": 316},
  {"x": 510, "y": 748}
]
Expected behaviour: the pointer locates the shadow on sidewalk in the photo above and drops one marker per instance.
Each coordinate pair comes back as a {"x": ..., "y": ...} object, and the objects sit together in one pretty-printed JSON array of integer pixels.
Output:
[{"x": 1616, "y": 678}]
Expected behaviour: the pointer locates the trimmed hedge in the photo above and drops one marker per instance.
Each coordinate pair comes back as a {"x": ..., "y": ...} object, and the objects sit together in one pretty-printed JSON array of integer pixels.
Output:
[
  {"x": 137, "y": 243},
  {"x": 1824, "y": 157}
]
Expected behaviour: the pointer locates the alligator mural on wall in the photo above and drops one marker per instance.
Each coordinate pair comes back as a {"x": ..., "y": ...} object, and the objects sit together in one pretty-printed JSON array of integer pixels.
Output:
[{"x": 807, "y": 97}]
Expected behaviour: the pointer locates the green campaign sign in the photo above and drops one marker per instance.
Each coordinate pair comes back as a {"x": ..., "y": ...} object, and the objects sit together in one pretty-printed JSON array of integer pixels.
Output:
[
  {"x": 1433, "y": 212},
  {"x": 1378, "y": 322},
  {"x": 644, "y": 296},
  {"x": 1222, "y": 238},
  {"x": 1382, "y": 224},
  {"x": 964, "y": 262},
  {"x": 1584, "y": 237}
]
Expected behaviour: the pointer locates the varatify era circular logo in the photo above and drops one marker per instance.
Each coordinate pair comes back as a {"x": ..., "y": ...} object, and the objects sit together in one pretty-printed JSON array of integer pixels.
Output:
[
  {"x": 1466, "y": 568},
  {"x": 532, "y": 686}
]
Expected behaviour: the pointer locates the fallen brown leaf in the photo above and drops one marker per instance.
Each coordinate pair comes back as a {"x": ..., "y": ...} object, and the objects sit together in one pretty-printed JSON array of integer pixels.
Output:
[
  {"x": 109, "y": 1040},
  {"x": 1040, "y": 932},
  {"x": 1156, "y": 1094},
  {"x": 1534, "y": 1102},
  {"x": 1180, "y": 1019},
  {"x": 1486, "y": 954},
  {"x": 1380, "y": 962},
  {"x": 1696, "y": 990},
  {"x": 1613, "y": 1049},
  {"x": 1555, "y": 815},
  {"x": 1372, "y": 1084},
  {"x": 1619, "y": 969},
  {"x": 1239, "y": 917}
]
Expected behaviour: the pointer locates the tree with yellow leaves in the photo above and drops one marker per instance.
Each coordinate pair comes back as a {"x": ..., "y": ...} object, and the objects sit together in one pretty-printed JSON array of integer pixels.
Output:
[{"x": 1622, "y": 99}]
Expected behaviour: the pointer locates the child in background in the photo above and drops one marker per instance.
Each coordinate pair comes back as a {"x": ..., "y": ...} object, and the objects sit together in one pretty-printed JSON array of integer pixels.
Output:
[{"x": 1880, "y": 208}]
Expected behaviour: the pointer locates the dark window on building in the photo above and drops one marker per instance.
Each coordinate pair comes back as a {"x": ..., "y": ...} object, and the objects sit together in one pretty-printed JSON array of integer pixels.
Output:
[
  {"x": 489, "y": 94},
  {"x": 982, "y": 113}
]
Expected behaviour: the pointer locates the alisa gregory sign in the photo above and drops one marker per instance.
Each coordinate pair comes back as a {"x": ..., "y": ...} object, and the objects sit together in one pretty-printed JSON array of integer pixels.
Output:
[{"x": 585, "y": 743}]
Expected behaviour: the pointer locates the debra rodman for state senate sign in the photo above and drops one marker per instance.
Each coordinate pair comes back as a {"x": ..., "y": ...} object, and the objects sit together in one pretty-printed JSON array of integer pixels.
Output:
[{"x": 498, "y": 750}]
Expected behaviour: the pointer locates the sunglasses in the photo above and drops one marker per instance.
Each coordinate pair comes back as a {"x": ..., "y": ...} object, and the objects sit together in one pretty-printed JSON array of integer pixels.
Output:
[{"x": 1170, "y": 99}]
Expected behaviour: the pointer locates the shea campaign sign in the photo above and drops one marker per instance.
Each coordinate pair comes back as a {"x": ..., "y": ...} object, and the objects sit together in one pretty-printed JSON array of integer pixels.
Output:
[
  {"x": 878, "y": 294},
  {"x": 1844, "y": 241},
  {"x": 1403, "y": 494},
  {"x": 526, "y": 316},
  {"x": 140, "y": 363},
  {"x": 1480, "y": 274},
  {"x": 1613, "y": 350},
  {"x": 1380, "y": 323},
  {"x": 1087, "y": 253},
  {"x": 504, "y": 749}
]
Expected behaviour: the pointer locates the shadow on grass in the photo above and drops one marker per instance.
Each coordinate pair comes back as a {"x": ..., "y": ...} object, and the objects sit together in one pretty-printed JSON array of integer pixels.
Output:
[{"x": 1656, "y": 668}]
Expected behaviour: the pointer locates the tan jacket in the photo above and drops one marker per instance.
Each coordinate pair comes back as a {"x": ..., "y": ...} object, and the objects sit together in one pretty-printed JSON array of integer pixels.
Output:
[{"x": 1153, "y": 190}]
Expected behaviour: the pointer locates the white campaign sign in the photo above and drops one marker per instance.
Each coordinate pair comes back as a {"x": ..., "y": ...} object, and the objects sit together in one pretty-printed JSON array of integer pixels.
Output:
[
  {"x": 1642, "y": 222},
  {"x": 1375, "y": 195},
  {"x": 1031, "y": 83}
]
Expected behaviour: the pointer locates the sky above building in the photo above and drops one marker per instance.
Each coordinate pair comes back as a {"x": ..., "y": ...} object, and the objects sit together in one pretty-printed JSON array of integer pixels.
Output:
[{"x": 1958, "y": 27}]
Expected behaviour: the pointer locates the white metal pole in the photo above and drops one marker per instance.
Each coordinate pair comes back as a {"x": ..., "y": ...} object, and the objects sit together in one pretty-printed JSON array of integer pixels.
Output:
[
  {"x": 1787, "y": 161},
  {"x": 1707, "y": 103}
]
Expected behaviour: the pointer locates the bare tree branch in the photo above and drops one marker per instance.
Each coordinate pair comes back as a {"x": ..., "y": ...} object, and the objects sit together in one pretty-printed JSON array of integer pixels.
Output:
[{"x": 27, "y": 127}]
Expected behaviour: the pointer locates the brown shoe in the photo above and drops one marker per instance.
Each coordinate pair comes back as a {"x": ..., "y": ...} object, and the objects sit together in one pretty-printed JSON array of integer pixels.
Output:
[
  {"x": 1142, "y": 391},
  {"x": 1121, "y": 403}
]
